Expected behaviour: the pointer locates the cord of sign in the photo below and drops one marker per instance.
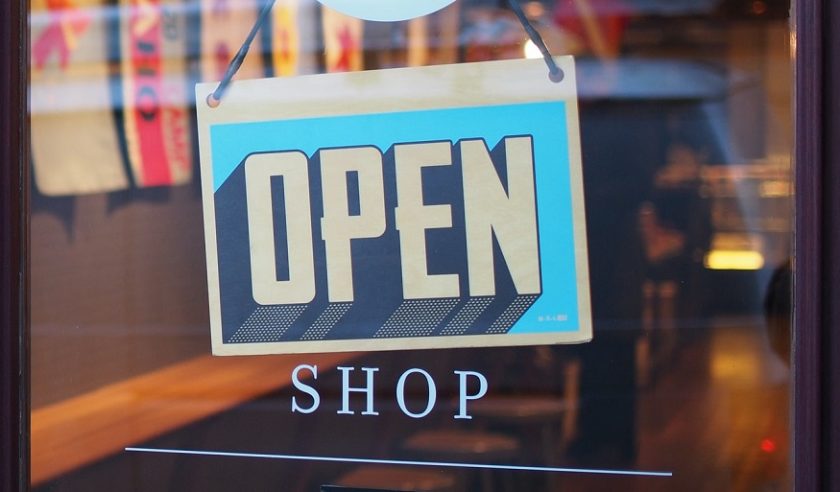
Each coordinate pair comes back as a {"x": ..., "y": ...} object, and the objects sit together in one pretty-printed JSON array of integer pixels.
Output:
[{"x": 555, "y": 73}]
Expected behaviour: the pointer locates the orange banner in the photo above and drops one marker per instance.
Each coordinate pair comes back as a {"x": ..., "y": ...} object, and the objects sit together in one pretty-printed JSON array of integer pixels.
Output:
[{"x": 343, "y": 36}]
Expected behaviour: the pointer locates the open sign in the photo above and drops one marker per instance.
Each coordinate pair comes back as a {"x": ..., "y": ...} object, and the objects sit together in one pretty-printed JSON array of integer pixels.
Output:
[
  {"x": 343, "y": 224},
  {"x": 492, "y": 210}
]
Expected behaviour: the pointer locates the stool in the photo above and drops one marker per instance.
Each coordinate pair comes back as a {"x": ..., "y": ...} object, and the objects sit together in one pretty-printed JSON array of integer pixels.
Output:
[
  {"x": 399, "y": 478},
  {"x": 541, "y": 413},
  {"x": 463, "y": 446}
]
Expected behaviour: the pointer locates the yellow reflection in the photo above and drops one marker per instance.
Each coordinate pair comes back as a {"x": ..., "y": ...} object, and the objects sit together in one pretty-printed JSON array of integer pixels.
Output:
[
  {"x": 730, "y": 367},
  {"x": 736, "y": 357},
  {"x": 530, "y": 50},
  {"x": 721, "y": 259},
  {"x": 774, "y": 189}
]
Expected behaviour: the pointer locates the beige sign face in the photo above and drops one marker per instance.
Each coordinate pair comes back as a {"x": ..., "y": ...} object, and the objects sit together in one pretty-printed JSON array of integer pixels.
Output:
[{"x": 398, "y": 209}]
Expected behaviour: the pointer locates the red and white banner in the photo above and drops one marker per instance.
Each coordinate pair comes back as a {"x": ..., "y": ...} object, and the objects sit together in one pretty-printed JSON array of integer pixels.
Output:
[
  {"x": 154, "y": 78},
  {"x": 225, "y": 25},
  {"x": 74, "y": 139},
  {"x": 343, "y": 37}
]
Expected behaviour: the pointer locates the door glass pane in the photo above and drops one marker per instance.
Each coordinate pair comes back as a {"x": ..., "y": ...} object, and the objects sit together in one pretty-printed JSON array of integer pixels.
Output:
[{"x": 685, "y": 129}]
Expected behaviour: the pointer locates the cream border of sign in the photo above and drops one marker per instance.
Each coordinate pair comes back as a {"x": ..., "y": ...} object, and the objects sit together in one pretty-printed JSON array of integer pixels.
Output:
[{"x": 387, "y": 91}]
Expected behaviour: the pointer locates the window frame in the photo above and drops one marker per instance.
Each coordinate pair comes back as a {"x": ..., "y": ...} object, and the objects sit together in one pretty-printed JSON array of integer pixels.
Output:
[
  {"x": 815, "y": 29},
  {"x": 816, "y": 343},
  {"x": 14, "y": 250}
]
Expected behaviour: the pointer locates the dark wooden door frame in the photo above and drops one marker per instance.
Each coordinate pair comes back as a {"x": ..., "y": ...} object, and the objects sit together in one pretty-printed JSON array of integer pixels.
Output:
[
  {"x": 830, "y": 298},
  {"x": 816, "y": 393},
  {"x": 14, "y": 183}
]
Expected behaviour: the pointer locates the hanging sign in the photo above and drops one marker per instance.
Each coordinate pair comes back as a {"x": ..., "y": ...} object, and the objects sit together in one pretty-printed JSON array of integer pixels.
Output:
[{"x": 426, "y": 207}]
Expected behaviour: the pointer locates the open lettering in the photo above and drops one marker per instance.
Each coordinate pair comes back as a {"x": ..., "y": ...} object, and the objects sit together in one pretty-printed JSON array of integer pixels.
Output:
[{"x": 496, "y": 211}]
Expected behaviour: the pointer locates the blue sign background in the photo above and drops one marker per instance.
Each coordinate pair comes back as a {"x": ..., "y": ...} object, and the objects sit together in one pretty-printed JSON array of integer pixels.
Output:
[{"x": 556, "y": 310}]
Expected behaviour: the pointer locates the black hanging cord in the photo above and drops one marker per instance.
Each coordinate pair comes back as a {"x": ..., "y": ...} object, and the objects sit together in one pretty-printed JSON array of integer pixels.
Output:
[
  {"x": 215, "y": 97},
  {"x": 555, "y": 73}
]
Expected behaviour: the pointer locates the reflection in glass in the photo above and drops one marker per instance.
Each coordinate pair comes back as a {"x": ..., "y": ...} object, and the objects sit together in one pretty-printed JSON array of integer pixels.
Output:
[{"x": 686, "y": 132}]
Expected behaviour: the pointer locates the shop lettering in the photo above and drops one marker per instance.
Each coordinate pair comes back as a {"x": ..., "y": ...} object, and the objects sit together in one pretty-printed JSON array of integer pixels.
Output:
[
  {"x": 504, "y": 213},
  {"x": 311, "y": 402}
]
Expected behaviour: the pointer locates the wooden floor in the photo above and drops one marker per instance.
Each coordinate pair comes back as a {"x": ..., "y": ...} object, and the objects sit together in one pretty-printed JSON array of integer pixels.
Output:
[
  {"x": 733, "y": 433},
  {"x": 716, "y": 415},
  {"x": 81, "y": 430}
]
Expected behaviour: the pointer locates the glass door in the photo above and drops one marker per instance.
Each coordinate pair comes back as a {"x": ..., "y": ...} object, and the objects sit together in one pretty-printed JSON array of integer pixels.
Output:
[{"x": 685, "y": 133}]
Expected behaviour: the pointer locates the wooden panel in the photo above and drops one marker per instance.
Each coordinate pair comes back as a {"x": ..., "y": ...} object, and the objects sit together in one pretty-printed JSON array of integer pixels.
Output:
[{"x": 86, "y": 428}]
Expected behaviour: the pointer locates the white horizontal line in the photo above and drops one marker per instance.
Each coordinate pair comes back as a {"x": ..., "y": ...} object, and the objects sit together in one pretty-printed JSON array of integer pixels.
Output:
[{"x": 400, "y": 462}]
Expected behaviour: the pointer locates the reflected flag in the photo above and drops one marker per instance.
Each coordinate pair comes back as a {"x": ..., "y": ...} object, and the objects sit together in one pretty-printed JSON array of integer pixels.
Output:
[
  {"x": 343, "y": 36},
  {"x": 155, "y": 91},
  {"x": 65, "y": 23},
  {"x": 285, "y": 38},
  {"x": 74, "y": 138},
  {"x": 225, "y": 25},
  {"x": 293, "y": 37}
]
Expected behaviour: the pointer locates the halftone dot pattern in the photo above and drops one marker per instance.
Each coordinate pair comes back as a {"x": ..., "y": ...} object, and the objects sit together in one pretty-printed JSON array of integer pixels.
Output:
[
  {"x": 267, "y": 324},
  {"x": 416, "y": 318},
  {"x": 513, "y": 312},
  {"x": 326, "y": 320},
  {"x": 466, "y": 316}
]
